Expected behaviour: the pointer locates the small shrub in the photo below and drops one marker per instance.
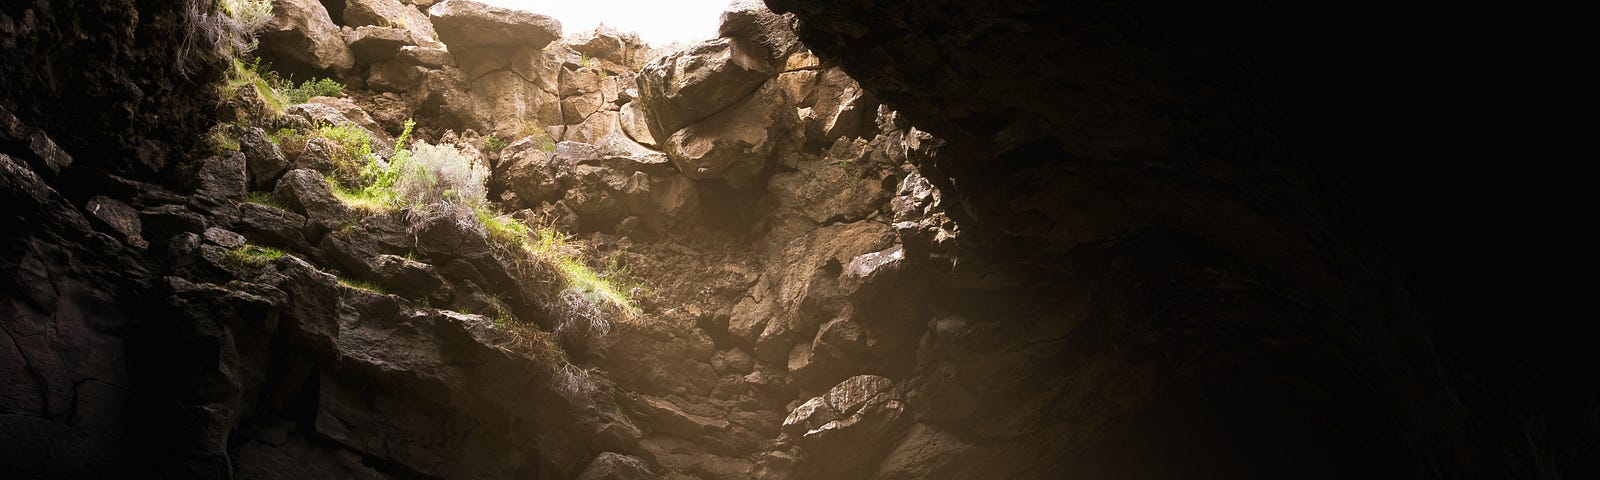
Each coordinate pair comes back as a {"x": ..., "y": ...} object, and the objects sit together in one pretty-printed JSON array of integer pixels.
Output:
[
  {"x": 250, "y": 15},
  {"x": 494, "y": 143},
  {"x": 541, "y": 137},
  {"x": 253, "y": 255},
  {"x": 350, "y": 160},
  {"x": 435, "y": 176},
  {"x": 319, "y": 87}
]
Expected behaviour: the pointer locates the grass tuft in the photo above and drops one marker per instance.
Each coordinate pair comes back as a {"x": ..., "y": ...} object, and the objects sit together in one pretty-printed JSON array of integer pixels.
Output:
[
  {"x": 360, "y": 285},
  {"x": 254, "y": 255}
]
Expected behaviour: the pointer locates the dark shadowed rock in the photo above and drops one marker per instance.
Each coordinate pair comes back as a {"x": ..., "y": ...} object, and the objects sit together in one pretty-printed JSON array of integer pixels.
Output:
[
  {"x": 614, "y": 466},
  {"x": 223, "y": 176},
  {"x": 307, "y": 192},
  {"x": 409, "y": 278},
  {"x": 116, "y": 217},
  {"x": 264, "y": 161}
]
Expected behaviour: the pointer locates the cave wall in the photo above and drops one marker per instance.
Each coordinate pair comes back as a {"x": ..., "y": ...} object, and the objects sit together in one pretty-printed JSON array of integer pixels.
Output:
[
  {"x": 1179, "y": 163},
  {"x": 137, "y": 71}
]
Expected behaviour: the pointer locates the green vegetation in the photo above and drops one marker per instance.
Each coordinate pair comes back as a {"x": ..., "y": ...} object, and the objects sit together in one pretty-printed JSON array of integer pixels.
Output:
[
  {"x": 526, "y": 128},
  {"x": 348, "y": 160},
  {"x": 586, "y": 293},
  {"x": 251, "y": 74},
  {"x": 221, "y": 141},
  {"x": 253, "y": 255},
  {"x": 494, "y": 143},
  {"x": 263, "y": 198},
  {"x": 317, "y": 87},
  {"x": 360, "y": 285},
  {"x": 250, "y": 15},
  {"x": 275, "y": 92}
]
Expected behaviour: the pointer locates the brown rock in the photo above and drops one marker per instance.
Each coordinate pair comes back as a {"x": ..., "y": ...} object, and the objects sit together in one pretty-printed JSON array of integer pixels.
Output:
[
  {"x": 736, "y": 144},
  {"x": 465, "y": 24},
  {"x": 678, "y": 89},
  {"x": 303, "y": 41}
]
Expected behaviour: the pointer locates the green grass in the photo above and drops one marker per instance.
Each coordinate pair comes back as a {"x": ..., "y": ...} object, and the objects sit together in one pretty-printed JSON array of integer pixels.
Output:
[
  {"x": 494, "y": 143},
  {"x": 316, "y": 87},
  {"x": 263, "y": 198},
  {"x": 360, "y": 285},
  {"x": 265, "y": 84},
  {"x": 254, "y": 255},
  {"x": 551, "y": 246},
  {"x": 366, "y": 199},
  {"x": 222, "y": 142}
]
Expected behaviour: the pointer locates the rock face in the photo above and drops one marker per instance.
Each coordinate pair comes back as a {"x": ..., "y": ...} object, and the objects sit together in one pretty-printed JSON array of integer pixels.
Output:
[
  {"x": 303, "y": 41},
  {"x": 1073, "y": 239},
  {"x": 466, "y": 24}
]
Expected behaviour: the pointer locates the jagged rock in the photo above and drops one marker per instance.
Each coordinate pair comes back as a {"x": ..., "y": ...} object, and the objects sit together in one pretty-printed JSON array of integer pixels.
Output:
[
  {"x": 394, "y": 76},
  {"x": 464, "y": 24},
  {"x": 686, "y": 86},
  {"x": 46, "y": 155},
  {"x": 845, "y": 428},
  {"x": 835, "y": 106},
  {"x": 409, "y": 278},
  {"x": 828, "y": 188},
  {"x": 117, "y": 217},
  {"x": 161, "y": 222},
  {"x": 507, "y": 101},
  {"x": 388, "y": 13},
  {"x": 615, "y": 466},
  {"x": 430, "y": 57},
  {"x": 797, "y": 295},
  {"x": 304, "y": 42},
  {"x": 670, "y": 418},
  {"x": 750, "y": 21},
  {"x": 271, "y": 225},
  {"x": 223, "y": 176},
  {"x": 340, "y": 111},
  {"x": 925, "y": 449},
  {"x": 307, "y": 192},
  {"x": 371, "y": 44},
  {"x": 736, "y": 144},
  {"x": 450, "y": 234},
  {"x": 529, "y": 172},
  {"x": 608, "y": 45},
  {"x": 264, "y": 161},
  {"x": 223, "y": 238},
  {"x": 660, "y": 359}
]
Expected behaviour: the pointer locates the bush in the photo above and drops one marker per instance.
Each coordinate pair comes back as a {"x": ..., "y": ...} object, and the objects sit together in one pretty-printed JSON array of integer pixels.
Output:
[
  {"x": 249, "y": 15},
  {"x": 317, "y": 87}
]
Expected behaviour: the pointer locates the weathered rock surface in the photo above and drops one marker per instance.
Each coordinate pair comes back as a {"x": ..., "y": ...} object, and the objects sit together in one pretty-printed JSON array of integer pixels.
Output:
[
  {"x": 303, "y": 41},
  {"x": 464, "y": 24}
]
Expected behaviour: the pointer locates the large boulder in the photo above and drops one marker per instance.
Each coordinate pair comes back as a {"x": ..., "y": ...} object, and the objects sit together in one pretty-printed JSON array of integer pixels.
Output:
[
  {"x": 303, "y": 41},
  {"x": 678, "y": 89},
  {"x": 307, "y": 192},
  {"x": 844, "y": 430},
  {"x": 465, "y": 24},
  {"x": 751, "y": 22},
  {"x": 735, "y": 144},
  {"x": 388, "y": 13}
]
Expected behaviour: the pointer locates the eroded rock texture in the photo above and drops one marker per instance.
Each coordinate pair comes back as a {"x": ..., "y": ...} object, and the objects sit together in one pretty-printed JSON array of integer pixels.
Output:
[{"x": 1035, "y": 240}]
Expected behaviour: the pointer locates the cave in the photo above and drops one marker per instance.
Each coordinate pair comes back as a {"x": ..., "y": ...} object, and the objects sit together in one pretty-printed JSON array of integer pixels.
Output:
[{"x": 439, "y": 239}]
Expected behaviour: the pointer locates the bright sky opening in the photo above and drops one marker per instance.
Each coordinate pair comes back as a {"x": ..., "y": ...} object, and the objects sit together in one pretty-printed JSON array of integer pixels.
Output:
[{"x": 658, "y": 22}]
